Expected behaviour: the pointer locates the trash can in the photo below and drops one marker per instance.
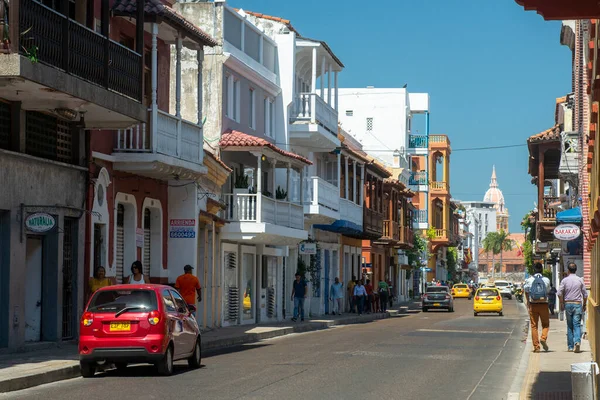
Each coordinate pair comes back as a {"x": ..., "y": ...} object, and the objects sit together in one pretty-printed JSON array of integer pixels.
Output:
[{"x": 582, "y": 380}]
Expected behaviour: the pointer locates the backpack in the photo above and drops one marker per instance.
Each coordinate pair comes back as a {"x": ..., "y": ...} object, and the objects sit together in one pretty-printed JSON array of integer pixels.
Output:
[{"x": 537, "y": 292}]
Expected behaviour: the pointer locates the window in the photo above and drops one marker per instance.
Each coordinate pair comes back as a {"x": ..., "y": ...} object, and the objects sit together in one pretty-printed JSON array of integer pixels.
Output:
[
  {"x": 408, "y": 124},
  {"x": 232, "y": 98},
  {"x": 236, "y": 101},
  {"x": 251, "y": 110},
  {"x": 169, "y": 303},
  {"x": 111, "y": 301},
  {"x": 369, "y": 124},
  {"x": 349, "y": 113},
  {"x": 181, "y": 305},
  {"x": 269, "y": 117},
  {"x": 226, "y": 96}
]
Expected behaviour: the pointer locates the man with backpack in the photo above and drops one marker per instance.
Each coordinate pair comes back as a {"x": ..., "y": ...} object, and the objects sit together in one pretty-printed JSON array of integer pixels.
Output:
[{"x": 537, "y": 288}]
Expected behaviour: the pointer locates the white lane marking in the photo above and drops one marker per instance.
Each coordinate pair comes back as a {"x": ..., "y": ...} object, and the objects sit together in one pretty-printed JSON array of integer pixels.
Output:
[
  {"x": 491, "y": 364},
  {"x": 461, "y": 331},
  {"x": 380, "y": 354}
]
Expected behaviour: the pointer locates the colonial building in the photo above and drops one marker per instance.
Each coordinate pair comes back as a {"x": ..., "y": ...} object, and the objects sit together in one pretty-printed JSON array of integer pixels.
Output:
[{"x": 494, "y": 195}]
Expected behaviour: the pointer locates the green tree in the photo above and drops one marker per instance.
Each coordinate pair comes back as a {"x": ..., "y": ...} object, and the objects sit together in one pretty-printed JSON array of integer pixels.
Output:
[
  {"x": 497, "y": 243},
  {"x": 451, "y": 261},
  {"x": 528, "y": 256},
  {"x": 489, "y": 245},
  {"x": 504, "y": 243}
]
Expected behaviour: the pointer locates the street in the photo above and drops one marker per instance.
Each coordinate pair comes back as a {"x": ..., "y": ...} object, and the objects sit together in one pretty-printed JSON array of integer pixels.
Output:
[{"x": 433, "y": 355}]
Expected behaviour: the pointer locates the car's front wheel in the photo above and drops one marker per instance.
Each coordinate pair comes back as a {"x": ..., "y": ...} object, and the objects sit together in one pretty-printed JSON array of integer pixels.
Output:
[
  {"x": 165, "y": 366},
  {"x": 88, "y": 369},
  {"x": 195, "y": 361},
  {"x": 425, "y": 309},
  {"x": 501, "y": 313},
  {"x": 474, "y": 313}
]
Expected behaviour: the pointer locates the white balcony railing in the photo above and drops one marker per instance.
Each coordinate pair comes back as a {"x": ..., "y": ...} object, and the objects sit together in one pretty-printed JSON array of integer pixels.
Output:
[
  {"x": 243, "y": 207},
  {"x": 175, "y": 137},
  {"x": 322, "y": 193},
  {"x": 310, "y": 107},
  {"x": 351, "y": 211}
]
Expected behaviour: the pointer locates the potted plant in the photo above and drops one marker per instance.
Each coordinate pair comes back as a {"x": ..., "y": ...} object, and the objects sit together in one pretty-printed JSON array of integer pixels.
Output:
[
  {"x": 280, "y": 194},
  {"x": 241, "y": 183}
]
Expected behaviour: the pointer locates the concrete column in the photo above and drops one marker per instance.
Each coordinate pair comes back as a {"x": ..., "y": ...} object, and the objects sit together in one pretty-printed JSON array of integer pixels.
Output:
[
  {"x": 259, "y": 188},
  {"x": 323, "y": 77},
  {"x": 354, "y": 194},
  {"x": 335, "y": 79},
  {"x": 178, "y": 45},
  {"x": 313, "y": 83},
  {"x": 362, "y": 184},
  {"x": 346, "y": 196},
  {"x": 154, "y": 103},
  {"x": 329, "y": 85},
  {"x": 200, "y": 59},
  {"x": 287, "y": 183},
  {"x": 339, "y": 171},
  {"x": 273, "y": 180}
]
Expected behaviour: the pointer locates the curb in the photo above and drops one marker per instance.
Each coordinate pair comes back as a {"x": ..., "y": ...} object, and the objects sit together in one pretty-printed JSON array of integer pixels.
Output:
[{"x": 210, "y": 348}]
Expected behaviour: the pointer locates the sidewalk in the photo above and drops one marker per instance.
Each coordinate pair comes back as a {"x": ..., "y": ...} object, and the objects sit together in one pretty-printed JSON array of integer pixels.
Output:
[
  {"x": 548, "y": 374},
  {"x": 24, "y": 370}
]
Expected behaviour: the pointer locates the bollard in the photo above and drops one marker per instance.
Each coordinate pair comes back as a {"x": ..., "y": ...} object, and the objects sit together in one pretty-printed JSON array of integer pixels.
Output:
[{"x": 582, "y": 380}]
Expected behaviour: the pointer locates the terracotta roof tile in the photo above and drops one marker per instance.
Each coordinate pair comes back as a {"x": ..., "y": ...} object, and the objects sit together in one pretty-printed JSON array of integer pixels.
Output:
[
  {"x": 218, "y": 160},
  {"x": 286, "y": 22},
  {"x": 549, "y": 135},
  {"x": 233, "y": 138},
  {"x": 156, "y": 8}
]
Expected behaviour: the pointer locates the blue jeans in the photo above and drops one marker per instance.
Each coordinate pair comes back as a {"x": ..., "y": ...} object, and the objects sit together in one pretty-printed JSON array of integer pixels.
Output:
[
  {"x": 298, "y": 307},
  {"x": 573, "y": 314}
]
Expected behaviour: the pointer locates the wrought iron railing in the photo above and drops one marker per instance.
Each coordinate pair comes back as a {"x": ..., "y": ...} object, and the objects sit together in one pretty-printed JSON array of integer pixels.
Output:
[
  {"x": 417, "y": 142},
  {"x": 418, "y": 178}
]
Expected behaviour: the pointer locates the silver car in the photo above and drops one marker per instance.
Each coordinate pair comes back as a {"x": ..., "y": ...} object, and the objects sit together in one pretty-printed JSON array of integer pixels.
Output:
[{"x": 437, "y": 297}]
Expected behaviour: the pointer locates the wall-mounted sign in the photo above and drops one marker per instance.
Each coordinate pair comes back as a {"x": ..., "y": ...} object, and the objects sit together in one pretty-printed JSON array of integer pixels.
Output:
[
  {"x": 308, "y": 248},
  {"x": 139, "y": 237},
  {"x": 567, "y": 232},
  {"x": 40, "y": 222},
  {"x": 182, "y": 228}
]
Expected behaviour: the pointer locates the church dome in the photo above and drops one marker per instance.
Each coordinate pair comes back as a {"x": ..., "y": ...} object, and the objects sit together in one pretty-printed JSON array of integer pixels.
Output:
[{"x": 494, "y": 194}]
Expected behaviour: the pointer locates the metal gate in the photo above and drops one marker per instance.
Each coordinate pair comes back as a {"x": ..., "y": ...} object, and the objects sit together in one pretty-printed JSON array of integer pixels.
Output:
[
  {"x": 147, "y": 243},
  {"x": 69, "y": 277},
  {"x": 120, "y": 242}
]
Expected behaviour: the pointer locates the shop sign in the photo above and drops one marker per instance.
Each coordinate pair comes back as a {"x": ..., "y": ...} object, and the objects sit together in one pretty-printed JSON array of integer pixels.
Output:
[
  {"x": 139, "y": 237},
  {"x": 308, "y": 248},
  {"x": 40, "y": 222},
  {"x": 567, "y": 232},
  {"x": 182, "y": 228}
]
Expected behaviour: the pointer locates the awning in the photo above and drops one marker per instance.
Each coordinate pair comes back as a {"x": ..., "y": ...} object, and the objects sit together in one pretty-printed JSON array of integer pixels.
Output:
[
  {"x": 344, "y": 227},
  {"x": 572, "y": 215}
]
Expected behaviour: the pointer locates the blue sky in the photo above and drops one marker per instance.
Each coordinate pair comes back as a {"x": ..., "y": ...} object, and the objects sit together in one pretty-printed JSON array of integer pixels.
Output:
[{"x": 493, "y": 72}]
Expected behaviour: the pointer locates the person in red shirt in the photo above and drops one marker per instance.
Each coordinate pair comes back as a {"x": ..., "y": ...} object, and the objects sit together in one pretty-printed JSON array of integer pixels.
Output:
[
  {"x": 189, "y": 285},
  {"x": 370, "y": 297}
]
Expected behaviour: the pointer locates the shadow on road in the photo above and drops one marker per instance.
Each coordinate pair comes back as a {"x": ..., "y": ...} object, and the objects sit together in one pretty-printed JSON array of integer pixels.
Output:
[{"x": 555, "y": 385}]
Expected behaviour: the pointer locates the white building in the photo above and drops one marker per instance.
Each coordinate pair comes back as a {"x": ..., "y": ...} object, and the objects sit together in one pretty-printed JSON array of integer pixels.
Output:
[{"x": 480, "y": 220}]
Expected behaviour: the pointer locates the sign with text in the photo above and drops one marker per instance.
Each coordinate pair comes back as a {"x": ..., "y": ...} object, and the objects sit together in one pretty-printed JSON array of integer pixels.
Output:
[
  {"x": 40, "y": 222},
  {"x": 567, "y": 232},
  {"x": 182, "y": 228},
  {"x": 139, "y": 237},
  {"x": 307, "y": 248}
]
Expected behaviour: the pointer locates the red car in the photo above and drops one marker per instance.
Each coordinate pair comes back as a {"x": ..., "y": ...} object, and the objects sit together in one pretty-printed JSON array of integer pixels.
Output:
[{"x": 126, "y": 324}]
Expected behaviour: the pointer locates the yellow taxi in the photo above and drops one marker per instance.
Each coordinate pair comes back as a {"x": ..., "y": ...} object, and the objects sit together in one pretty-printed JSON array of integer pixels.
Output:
[
  {"x": 461, "y": 290},
  {"x": 487, "y": 300}
]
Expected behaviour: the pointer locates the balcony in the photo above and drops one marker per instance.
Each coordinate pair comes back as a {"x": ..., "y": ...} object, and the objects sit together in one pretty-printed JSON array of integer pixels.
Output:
[
  {"x": 373, "y": 223},
  {"x": 260, "y": 219},
  {"x": 351, "y": 212},
  {"x": 406, "y": 236},
  {"x": 314, "y": 123},
  {"x": 322, "y": 201},
  {"x": 439, "y": 187},
  {"x": 441, "y": 237},
  {"x": 420, "y": 219},
  {"x": 418, "y": 144},
  {"x": 418, "y": 181},
  {"x": 65, "y": 64},
  {"x": 391, "y": 233},
  {"x": 549, "y": 212},
  {"x": 172, "y": 149},
  {"x": 439, "y": 142},
  {"x": 569, "y": 158}
]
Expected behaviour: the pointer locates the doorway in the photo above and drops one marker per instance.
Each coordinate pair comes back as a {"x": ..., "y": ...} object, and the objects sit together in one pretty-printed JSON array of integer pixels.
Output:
[{"x": 33, "y": 289}]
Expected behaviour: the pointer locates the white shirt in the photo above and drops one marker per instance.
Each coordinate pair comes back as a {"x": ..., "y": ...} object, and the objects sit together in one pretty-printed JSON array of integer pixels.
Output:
[
  {"x": 359, "y": 290},
  {"x": 530, "y": 280}
]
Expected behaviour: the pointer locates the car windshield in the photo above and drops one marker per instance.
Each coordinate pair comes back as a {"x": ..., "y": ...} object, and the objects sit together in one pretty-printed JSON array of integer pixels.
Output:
[
  {"x": 460, "y": 286},
  {"x": 113, "y": 301},
  {"x": 437, "y": 289},
  {"x": 501, "y": 283},
  {"x": 487, "y": 292}
]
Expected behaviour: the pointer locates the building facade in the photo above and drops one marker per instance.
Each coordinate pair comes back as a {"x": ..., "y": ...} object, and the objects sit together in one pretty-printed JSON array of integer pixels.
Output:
[{"x": 495, "y": 195}]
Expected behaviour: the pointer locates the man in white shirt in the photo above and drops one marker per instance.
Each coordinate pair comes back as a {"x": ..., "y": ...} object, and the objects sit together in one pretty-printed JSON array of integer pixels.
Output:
[
  {"x": 360, "y": 293},
  {"x": 538, "y": 309}
]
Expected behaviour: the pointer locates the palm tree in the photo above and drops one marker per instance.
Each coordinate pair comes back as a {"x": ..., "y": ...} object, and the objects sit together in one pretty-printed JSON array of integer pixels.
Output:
[
  {"x": 504, "y": 243},
  {"x": 490, "y": 244}
]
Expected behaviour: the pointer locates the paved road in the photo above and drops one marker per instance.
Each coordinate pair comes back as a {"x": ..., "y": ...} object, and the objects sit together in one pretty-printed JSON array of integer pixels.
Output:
[{"x": 434, "y": 355}]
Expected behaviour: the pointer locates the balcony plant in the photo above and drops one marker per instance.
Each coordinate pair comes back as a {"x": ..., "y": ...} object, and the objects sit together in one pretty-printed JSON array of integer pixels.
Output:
[{"x": 281, "y": 194}]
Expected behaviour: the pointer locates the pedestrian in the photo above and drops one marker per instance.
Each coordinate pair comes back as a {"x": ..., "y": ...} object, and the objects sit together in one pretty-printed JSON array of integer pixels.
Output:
[
  {"x": 189, "y": 286},
  {"x": 351, "y": 284},
  {"x": 337, "y": 296},
  {"x": 536, "y": 290},
  {"x": 360, "y": 293},
  {"x": 370, "y": 298},
  {"x": 552, "y": 298},
  {"x": 384, "y": 292},
  {"x": 99, "y": 280},
  {"x": 137, "y": 276},
  {"x": 392, "y": 294},
  {"x": 573, "y": 300},
  {"x": 299, "y": 291}
]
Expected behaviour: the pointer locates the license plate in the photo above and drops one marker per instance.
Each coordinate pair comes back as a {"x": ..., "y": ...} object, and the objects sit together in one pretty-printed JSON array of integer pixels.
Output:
[
  {"x": 120, "y": 326},
  {"x": 489, "y": 301},
  {"x": 436, "y": 304}
]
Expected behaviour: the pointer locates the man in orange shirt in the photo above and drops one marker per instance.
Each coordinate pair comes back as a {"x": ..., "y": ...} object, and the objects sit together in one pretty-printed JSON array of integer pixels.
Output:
[{"x": 187, "y": 284}]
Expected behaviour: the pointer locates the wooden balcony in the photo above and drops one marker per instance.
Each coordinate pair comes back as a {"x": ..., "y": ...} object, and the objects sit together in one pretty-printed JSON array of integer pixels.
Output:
[
  {"x": 439, "y": 187},
  {"x": 549, "y": 212},
  {"x": 391, "y": 233},
  {"x": 55, "y": 40},
  {"x": 372, "y": 223},
  {"x": 406, "y": 236}
]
